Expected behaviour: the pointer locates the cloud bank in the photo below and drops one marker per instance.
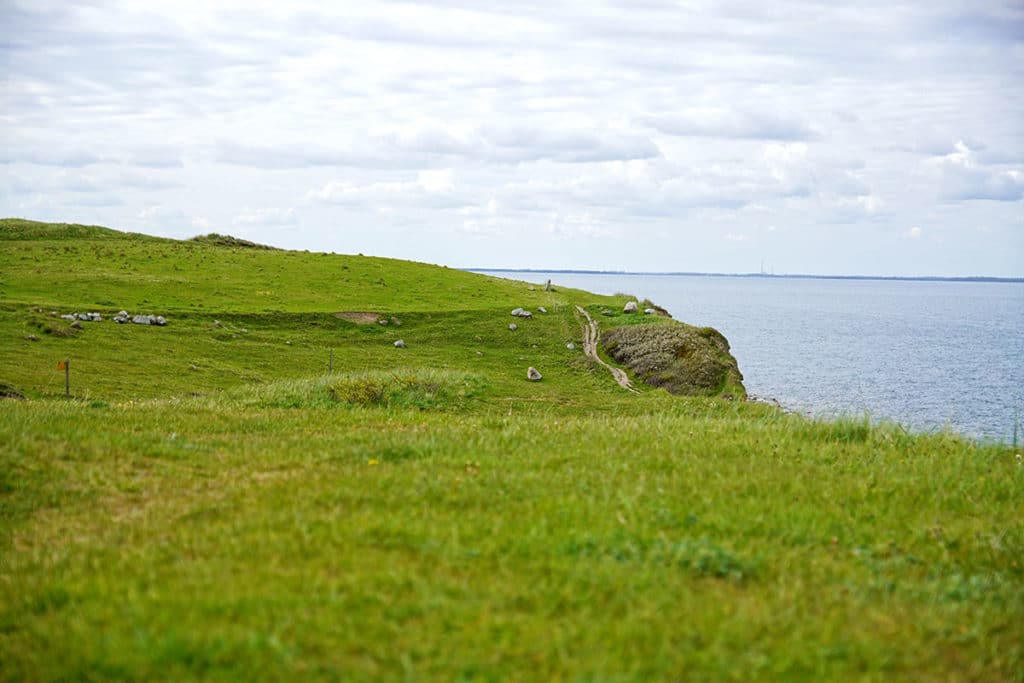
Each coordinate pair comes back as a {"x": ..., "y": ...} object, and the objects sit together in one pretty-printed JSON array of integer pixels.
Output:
[{"x": 649, "y": 135}]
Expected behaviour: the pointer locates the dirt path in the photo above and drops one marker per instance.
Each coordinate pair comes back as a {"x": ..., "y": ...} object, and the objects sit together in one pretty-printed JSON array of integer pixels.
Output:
[{"x": 590, "y": 338}]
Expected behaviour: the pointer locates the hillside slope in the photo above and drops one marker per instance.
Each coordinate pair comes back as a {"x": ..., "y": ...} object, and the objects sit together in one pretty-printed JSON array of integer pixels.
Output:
[{"x": 240, "y": 315}]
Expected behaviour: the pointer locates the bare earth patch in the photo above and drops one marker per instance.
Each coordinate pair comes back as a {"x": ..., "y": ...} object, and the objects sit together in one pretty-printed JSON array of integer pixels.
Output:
[{"x": 363, "y": 318}]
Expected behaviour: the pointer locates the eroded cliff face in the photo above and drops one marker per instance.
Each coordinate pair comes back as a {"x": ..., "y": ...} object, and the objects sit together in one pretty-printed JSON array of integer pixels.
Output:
[{"x": 684, "y": 360}]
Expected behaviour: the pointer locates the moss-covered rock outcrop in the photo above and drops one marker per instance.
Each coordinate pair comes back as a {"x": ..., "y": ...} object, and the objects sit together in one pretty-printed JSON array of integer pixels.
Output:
[{"x": 684, "y": 360}]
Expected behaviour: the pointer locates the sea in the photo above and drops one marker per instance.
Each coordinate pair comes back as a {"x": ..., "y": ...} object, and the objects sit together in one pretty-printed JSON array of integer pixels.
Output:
[{"x": 928, "y": 354}]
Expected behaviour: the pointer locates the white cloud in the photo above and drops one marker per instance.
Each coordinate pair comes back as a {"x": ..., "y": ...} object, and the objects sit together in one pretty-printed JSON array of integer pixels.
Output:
[
  {"x": 265, "y": 217},
  {"x": 963, "y": 178}
]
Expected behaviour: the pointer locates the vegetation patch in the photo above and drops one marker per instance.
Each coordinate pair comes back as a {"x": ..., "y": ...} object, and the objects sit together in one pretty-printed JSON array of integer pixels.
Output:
[
  {"x": 684, "y": 360},
  {"x": 401, "y": 389},
  {"x": 229, "y": 241},
  {"x": 7, "y": 391}
]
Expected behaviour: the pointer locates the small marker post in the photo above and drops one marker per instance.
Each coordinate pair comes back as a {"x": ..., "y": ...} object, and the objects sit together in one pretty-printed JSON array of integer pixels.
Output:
[{"x": 65, "y": 365}]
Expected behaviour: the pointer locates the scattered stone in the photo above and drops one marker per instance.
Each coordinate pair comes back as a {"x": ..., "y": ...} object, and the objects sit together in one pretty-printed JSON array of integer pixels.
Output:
[
  {"x": 533, "y": 374},
  {"x": 649, "y": 311},
  {"x": 513, "y": 327},
  {"x": 122, "y": 314},
  {"x": 69, "y": 316},
  {"x": 121, "y": 319},
  {"x": 53, "y": 314},
  {"x": 570, "y": 346},
  {"x": 244, "y": 330},
  {"x": 140, "y": 319},
  {"x": 288, "y": 343},
  {"x": 193, "y": 368},
  {"x": 77, "y": 325},
  {"x": 31, "y": 337},
  {"x": 382, "y": 321},
  {"x": 399, "y": 344},
  {"x": 516, "y": 312},
  {"x": 84, "y": 316},
  {"x": 531, "y": 289},
  {"x": 160, "y": 320},
  {"x": 630, "y": 307},
  {"x": 607, "y": 312},
  {"x": 479, "y": 353},
  {"x": 542, "y": 309}
]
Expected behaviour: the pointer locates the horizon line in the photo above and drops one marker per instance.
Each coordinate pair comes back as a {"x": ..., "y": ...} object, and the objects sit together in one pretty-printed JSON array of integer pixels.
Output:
[{"x": 793, "y": 276}]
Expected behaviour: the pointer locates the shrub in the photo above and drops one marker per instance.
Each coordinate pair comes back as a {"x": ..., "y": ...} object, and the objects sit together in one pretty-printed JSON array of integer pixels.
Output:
[{"x": 686, "y": 360}]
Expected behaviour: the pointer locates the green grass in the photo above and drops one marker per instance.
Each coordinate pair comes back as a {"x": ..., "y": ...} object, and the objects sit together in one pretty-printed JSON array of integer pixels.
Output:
[{"x": 428, "y": 514}]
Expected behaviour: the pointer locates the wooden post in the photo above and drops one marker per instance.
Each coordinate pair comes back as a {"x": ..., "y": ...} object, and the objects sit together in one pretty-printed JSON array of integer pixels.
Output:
[{"x": 65, "y": 365}]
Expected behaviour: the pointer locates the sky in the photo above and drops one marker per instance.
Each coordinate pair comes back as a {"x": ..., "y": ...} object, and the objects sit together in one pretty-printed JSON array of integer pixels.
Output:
[{"x": 797, "y": 136}]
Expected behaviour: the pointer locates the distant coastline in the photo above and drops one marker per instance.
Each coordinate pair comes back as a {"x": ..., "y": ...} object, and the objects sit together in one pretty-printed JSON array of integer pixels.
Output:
[{"x": 769, "y": 276}]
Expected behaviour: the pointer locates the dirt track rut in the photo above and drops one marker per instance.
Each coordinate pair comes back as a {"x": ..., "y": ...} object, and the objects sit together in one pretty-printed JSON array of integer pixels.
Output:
[{"x": 590, "y": 338}]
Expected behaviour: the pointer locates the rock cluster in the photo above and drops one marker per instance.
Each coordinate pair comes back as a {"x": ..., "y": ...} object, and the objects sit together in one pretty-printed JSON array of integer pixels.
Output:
[
  {"x": 521, "y": 313},
  {"x": 122, "y": 317}
]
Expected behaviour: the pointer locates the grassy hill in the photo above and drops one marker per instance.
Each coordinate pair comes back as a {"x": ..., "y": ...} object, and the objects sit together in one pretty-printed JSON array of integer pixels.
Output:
[{"x": 212, "y": 503}]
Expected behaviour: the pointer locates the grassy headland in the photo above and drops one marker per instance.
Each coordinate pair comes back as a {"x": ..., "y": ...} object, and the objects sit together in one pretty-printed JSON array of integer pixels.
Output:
[{"x": 211, "y": 503}]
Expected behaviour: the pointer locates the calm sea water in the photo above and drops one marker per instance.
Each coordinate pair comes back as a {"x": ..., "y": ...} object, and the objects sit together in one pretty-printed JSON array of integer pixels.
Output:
[{"x": 929, "y": 355}]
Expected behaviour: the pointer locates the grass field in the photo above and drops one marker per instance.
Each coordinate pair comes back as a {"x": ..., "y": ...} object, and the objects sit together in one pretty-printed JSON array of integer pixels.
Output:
[{"x": 211, "y": 503}]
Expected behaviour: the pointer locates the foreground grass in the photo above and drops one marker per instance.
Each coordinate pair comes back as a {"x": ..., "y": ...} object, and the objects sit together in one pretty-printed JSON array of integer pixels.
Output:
[{"x": 230, "y": 540}]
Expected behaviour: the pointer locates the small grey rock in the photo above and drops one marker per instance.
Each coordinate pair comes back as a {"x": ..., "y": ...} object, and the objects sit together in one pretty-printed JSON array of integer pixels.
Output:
[
  {"x": 399, "y": 344},
  {"x": 31, "y": 337},
  {"x": 140, "y": 319},
  {"x": 69, "y": 316},
  {"x": 382, "y": 321},
  {"x": 84, "y": 316},
  {"x": 630, "y": 307},
  {"x": 570, "y": 346},
  {"x": 542, "y": 310},
  {"x": 122, "y": 314},
  {"x": 526, "y": 314},
  {"x": 649, "y": 311},
  {"x": 516, "y": 312},
  {"x": 513, "y": 327},
  {"x": 77, "y": 325},
  {"x": 160, "y": 320},
  {"x": 533, "y": 374}
]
